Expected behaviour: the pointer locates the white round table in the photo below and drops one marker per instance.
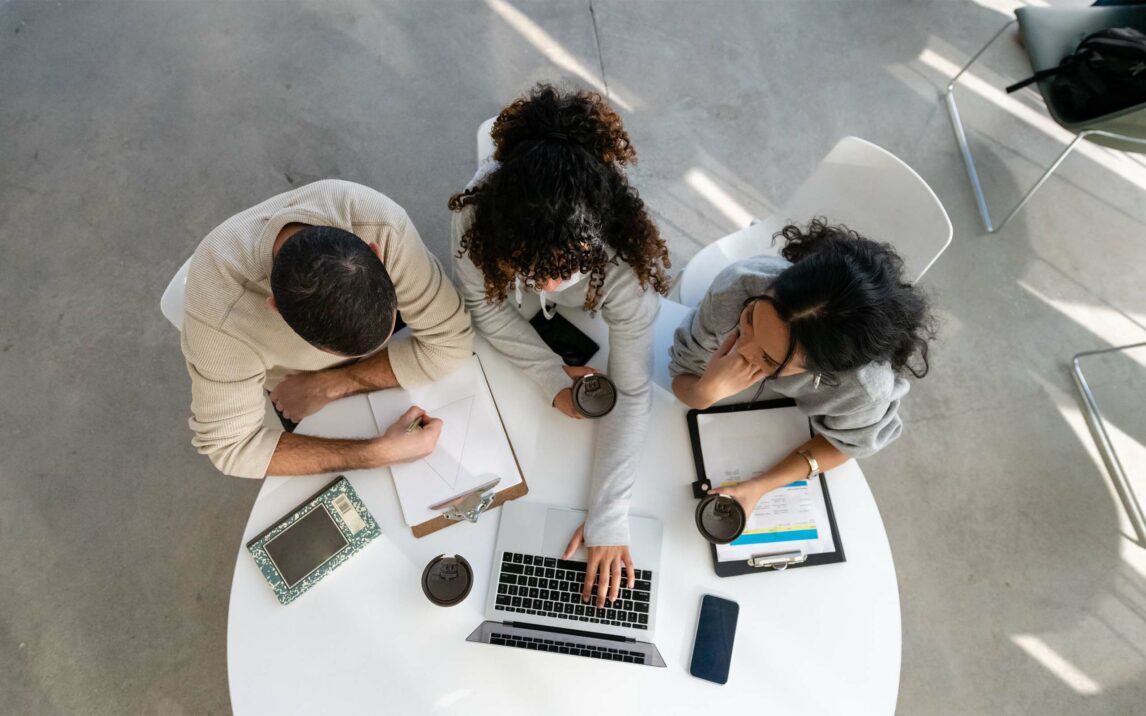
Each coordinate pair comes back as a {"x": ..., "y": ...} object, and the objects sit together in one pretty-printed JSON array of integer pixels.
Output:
[{"x": 815, "y": 640}]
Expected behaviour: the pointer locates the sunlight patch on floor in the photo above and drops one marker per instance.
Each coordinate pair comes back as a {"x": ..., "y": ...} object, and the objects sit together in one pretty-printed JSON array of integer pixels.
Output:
[
  {"x": 720, "y": 199},
  {"x": 1067, "y": 672},
  {"x": 553, "y": 50}
]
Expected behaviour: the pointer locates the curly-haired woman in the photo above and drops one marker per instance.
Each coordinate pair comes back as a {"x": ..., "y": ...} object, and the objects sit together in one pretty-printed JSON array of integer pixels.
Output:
[
  {"x": 553, "y": 213},
  {"x": 832, "y": 324}
]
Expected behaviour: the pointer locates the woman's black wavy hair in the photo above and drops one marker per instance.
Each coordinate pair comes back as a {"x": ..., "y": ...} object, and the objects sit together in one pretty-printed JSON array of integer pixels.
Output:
[
  {"x": 846, "y": 303},
  {"x": 559, "y": 202}
]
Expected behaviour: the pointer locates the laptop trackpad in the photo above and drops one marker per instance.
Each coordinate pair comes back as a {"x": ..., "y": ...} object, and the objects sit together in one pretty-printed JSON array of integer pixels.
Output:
[{"x": 560, "y": 524}]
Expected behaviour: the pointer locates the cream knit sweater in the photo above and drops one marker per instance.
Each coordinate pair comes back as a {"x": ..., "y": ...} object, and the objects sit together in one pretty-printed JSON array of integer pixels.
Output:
[{"x": 237, "y": 347}]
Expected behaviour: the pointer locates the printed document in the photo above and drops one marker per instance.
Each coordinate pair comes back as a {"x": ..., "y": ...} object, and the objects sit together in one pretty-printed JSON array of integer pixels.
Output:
[{"x": 740, "y": 445}]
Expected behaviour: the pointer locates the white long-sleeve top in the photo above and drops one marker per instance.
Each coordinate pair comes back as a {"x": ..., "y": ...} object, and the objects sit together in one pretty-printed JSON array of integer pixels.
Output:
[{"x": 629, "y": 311}]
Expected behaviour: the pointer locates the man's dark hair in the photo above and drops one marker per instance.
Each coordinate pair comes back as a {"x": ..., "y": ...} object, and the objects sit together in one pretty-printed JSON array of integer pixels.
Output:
[{"x": 333, "y": 290}]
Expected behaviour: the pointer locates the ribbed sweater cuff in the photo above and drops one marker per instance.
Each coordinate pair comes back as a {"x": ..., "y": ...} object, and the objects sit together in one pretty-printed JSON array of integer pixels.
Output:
[
  {"x": 608, "y": 529},
  {"x": 405, "y": 365}
]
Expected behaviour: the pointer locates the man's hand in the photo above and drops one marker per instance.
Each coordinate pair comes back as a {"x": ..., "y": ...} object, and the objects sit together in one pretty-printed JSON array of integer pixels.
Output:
[
  {"x": 727, "y": 372},
  {"x": 563, "y": 401},
  {"x": 302, "y": 394},
  {"x": 604, "y": 566},
  {"x": 400, "y": 444}
]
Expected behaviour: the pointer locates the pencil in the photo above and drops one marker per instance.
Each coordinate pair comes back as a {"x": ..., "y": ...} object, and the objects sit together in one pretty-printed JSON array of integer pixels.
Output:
[{"x": 414, "y": 425}]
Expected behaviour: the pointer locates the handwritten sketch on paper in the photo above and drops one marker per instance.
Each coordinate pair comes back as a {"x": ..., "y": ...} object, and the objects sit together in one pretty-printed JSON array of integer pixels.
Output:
[{"x": 472, "y": 447}]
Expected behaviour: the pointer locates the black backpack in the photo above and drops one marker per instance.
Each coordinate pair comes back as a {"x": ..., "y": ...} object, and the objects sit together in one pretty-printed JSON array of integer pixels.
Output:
[{"x": 1105, "y": 74}]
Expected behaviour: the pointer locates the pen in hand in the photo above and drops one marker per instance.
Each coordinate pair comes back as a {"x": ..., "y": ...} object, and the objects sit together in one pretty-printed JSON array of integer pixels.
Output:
[{"x": 414, "y": 425}]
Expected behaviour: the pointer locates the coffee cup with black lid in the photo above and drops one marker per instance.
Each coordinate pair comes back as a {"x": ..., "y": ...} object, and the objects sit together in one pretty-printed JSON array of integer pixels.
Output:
[
  {"x": 446, "y": 581},
  {"x": 720, "y": 519},
  {"x": 594, "y": 395}
]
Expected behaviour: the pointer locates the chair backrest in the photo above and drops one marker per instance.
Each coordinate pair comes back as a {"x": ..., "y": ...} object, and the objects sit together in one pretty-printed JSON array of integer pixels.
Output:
[
  {"x": 1052, "y": 33},
  {"x": 171, "y": 304},
  {"x": 857, "y": 184},
  {"x": 484, "y": 140}
]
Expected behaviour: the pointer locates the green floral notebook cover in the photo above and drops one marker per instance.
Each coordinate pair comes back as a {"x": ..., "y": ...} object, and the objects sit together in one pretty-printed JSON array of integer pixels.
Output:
[{"x": 299, "y": 550}]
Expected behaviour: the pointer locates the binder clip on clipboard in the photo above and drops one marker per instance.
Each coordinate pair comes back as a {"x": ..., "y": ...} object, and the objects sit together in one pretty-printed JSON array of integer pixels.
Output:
[
  {"x": 777, "y": 560},
  {"x": 470, "y": 504}
]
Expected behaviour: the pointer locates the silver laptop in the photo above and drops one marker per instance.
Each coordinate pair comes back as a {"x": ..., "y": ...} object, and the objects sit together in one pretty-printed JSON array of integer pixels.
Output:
[{"x": 534, "y": 599}]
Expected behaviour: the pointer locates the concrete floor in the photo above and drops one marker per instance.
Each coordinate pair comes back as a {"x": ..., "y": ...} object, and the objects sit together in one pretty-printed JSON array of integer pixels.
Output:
[{"x": 129, "y": 129}]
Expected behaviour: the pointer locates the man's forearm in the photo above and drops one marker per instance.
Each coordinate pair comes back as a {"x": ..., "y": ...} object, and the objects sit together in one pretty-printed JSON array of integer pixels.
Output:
[
  {"x": 373, "y": 373},
  {"x": 307, "y": 455}
]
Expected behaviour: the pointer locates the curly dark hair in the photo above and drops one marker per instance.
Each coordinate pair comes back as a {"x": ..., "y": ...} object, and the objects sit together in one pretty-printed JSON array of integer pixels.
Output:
[
  {"x": 847, "y": 304},
  {"x": 560, "y": 202}
]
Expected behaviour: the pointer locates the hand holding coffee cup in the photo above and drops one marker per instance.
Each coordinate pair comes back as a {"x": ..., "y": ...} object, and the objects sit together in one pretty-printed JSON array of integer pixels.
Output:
[
  {"x": 592, "y": 394},
  {"x": 720, "y": 518}
]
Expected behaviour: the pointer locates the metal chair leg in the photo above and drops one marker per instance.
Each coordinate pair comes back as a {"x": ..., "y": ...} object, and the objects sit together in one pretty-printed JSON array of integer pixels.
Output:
[
  {"x": 961, "y": 136},
  {"x": 1102, "y": 440},
  {"x": 1042, "y": 180},
  {"x": 965, "y": 148},
  {"x": 969, "y": 162}
]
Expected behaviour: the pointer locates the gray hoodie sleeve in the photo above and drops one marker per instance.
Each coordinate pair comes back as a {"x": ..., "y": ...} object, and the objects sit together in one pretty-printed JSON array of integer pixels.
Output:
[
  {"x": 500, "y": 323},
  {"x": 630, "y": 312},
  {"x": 861, "y": 416},
  {"x": 696, "y": 339},
  {"x": 718, "y": 314}
]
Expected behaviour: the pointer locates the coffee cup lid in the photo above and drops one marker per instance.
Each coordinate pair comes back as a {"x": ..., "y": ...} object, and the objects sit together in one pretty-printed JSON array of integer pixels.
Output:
[
  {"x": 594, "y": 395},
  {"x": 446, "y": 581},
  {"x": 720, "y": 519}
]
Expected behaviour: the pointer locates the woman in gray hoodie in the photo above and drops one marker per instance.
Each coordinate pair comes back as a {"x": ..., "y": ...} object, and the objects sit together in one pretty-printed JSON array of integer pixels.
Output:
[
  {"x": 552, "y": 213},
  {"x": 831, "y": 323}
]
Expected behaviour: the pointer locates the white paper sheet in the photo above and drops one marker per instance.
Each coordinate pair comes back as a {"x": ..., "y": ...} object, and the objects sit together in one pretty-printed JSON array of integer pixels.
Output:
[
  {"x": 738, "y": 446},
  {"x": 472, "y": 449}
]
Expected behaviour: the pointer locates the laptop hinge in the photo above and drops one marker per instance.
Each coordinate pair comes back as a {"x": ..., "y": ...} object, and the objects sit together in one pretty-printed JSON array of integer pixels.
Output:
[{"x": 571, "y": 632}]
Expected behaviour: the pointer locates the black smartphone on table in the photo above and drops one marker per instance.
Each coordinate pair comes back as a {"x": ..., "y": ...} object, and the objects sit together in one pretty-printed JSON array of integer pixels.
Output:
[
  {"x": 715, "y": 632},
  {"x": 563, "y": 338}
]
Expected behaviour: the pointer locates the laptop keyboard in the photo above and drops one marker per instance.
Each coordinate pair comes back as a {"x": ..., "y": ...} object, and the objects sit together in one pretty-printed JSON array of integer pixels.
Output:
[
  {"x": 567, "y": 647},
  {"x": 549, "y": 587}
]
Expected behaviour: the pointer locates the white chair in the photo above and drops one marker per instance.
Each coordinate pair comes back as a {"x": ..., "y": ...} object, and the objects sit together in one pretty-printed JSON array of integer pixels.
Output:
[
  {"x": 171, "y": 304},
  {"x": 484, "y": 140},
  {"x": 858, "y": 184}
]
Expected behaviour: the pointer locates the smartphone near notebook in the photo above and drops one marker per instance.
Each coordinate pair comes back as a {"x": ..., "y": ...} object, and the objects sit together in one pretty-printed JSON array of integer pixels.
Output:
[{"x": 472, "y": 452}]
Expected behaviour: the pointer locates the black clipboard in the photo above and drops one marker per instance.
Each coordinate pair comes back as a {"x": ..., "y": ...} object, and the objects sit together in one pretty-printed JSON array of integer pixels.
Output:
[{"x": 768, "y": 562}]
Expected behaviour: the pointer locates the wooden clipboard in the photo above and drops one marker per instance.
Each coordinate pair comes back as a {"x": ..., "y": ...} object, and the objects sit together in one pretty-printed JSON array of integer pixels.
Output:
[{"x": 510, "y": 493}]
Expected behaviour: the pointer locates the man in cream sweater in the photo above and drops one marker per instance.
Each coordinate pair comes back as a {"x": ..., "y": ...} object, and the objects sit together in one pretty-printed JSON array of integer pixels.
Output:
[{"x": 299, "y": 296}]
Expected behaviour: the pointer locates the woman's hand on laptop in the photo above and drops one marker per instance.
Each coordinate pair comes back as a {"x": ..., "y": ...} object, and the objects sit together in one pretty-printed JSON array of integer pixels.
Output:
[{"x": 604, "y": 567}]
